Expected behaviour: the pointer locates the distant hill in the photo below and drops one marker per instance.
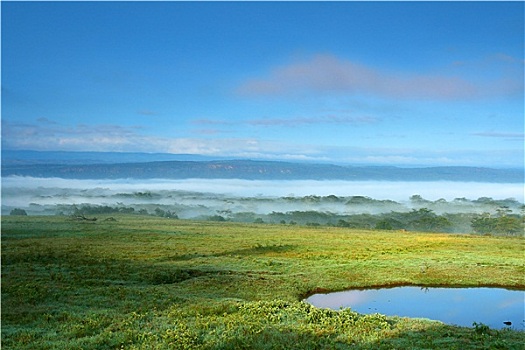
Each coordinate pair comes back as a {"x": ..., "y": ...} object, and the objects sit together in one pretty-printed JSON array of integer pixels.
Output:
[
  {"x": 12, "y": 157},
  {"x": 84, "y": 166}
]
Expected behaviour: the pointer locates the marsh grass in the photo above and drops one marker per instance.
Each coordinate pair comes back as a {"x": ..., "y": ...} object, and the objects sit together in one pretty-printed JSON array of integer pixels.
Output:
[{"x": 157, "y": 283}]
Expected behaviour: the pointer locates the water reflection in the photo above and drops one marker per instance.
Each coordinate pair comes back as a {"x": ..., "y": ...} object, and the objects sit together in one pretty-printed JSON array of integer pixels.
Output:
[{"x": 495, "y": 307}]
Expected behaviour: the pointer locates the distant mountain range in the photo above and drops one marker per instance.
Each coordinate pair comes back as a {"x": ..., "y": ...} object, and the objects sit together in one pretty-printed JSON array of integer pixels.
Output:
[{"x": 94, "y": 165}]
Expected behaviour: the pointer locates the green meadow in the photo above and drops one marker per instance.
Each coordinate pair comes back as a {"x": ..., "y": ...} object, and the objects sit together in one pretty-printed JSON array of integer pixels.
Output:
[{"x": 140, "y": 282}]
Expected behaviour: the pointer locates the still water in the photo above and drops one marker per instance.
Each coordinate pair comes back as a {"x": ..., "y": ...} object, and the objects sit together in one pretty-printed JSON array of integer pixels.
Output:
[{"x": 458, "y": 306}]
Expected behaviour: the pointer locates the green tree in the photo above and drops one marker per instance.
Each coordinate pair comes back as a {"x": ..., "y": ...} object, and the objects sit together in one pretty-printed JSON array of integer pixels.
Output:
[
  {"x": 159, "y": 212},
  {"x": 389, "y": 224},
  {"x": 426, "y": 220},
  {"x": 483, "y": 224},
  {"x": 509, "y": 225},
  {"x": 503, "y": 211},
  {"x": 216, "y": 218},
  {"x": 506, "y": 224},
  {"x": 418, "y": 200},
  {"x": 384, "y": 225}
]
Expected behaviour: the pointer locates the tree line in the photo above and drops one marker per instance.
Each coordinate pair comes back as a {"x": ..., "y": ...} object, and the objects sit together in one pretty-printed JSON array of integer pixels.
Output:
[{"x": 501, "y": 221}]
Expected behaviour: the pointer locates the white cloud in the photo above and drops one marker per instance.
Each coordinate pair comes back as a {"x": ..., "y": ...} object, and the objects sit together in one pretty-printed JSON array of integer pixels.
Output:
[
  {"x": 129, "y": 139},
  {"x": 49, "y": 135},
  {"x": 53, "y": 136}
]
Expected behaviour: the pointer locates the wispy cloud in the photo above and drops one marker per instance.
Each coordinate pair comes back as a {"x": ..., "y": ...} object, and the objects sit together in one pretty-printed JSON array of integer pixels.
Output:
[
  {"x": 44, "y": 120},
  {"x": 208, "y": 131},
  {"x": 505, "y": 58},
  {"x": 46, "y": 135},
  {"x": 331, "y": 119},
  {"x": 49, "y": 135},
  {"x": 328, "y": 73},
  {"x": 427, "y": 157},
  {"x": 208, "y": 121},
  {"x": 293, "y": 121},
  {"x": 147, "y": 112},
  {"x": 507, "y": 135}
]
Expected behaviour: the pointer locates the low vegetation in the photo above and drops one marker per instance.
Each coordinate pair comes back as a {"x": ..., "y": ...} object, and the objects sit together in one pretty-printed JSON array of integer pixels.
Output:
[{"x": 144, "y": 282}]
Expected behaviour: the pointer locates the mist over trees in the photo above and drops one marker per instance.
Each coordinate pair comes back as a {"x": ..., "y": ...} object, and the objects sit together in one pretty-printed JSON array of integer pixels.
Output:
[
  {"x": 484, "y": 215},
  {"x": 274, "y": 192}
]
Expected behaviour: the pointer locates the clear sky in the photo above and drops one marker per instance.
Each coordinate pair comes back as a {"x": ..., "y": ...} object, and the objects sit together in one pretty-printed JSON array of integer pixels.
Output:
[{"x": 398, "y": 83}]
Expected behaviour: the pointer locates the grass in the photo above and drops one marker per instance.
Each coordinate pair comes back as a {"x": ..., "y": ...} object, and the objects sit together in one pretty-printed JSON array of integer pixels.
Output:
[{"x": 153, "y": 283}]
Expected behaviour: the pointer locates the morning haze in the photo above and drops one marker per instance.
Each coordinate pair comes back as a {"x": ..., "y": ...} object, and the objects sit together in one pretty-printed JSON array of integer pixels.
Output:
[{"x": 185, "y": 175}]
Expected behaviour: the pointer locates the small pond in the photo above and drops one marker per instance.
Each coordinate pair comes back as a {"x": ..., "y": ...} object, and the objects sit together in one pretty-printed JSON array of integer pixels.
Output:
[{"x": 458, "y": 306}]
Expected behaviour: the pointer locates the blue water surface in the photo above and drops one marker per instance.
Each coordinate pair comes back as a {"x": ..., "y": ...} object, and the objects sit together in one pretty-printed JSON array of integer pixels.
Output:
[{"x": 458, "y": 306}]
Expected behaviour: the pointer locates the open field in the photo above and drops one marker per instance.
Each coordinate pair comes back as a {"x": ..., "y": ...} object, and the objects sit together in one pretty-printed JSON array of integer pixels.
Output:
[{"x": 139, "y": 282}]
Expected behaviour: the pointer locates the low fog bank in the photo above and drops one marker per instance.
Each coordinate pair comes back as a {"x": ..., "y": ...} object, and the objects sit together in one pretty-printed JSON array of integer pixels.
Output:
[
  {"x": 418, "y": 206},
  {"x": 198, "y": 197},
  {"x": 392, "y": 190}
]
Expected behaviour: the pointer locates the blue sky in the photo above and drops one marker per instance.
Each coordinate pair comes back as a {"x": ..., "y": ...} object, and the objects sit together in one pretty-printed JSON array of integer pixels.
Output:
[{"x": 398, "y": 83}]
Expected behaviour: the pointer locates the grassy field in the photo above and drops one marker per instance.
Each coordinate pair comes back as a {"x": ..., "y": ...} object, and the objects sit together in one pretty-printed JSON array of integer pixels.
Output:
[{"x": 136, "y": 282}]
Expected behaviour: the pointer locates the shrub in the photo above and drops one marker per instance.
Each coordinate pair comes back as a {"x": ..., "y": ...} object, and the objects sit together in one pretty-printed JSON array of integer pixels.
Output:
[{"x": 18, "y": 211}]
